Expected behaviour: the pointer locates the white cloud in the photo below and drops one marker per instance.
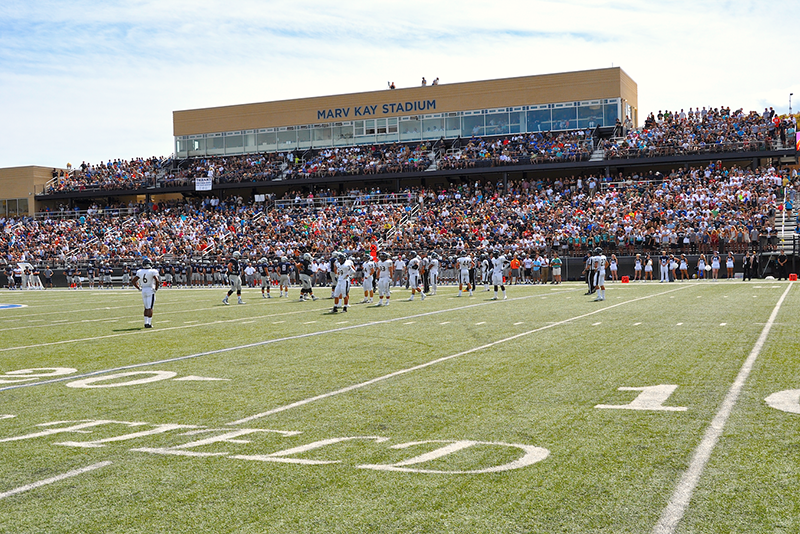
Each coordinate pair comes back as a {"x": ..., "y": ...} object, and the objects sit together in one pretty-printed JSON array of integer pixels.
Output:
[{"x": 98, "y": 80}]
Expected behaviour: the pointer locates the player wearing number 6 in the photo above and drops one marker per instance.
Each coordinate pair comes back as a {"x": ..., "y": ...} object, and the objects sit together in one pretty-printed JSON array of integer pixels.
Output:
[{"x": 148, "y": 286}]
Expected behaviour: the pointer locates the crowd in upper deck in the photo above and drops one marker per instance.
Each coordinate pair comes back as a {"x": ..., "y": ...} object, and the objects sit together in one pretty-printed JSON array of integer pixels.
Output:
[{"x": 697, "y": 131}]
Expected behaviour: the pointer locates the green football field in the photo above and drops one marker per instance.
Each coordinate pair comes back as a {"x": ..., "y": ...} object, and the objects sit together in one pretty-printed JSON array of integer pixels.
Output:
[{"x": 666, "y": 408}]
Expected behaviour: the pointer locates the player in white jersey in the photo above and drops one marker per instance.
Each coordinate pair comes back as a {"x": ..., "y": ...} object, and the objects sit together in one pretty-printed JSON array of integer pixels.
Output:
[
  {"x": 599, "y": 264},
  {"x": 433, "y": 272},
  {"x": 385, "y": 267},
  {"x": 344, "y": 271},
  {"x": 368, "y": 268},
  {"x": 486, "y": 269},
  {"x": 464, "y": 265},
  {"x": 498, "y": 264},
  {"x": 147, "y": 281},
  {"x": 414, "y": 275}
]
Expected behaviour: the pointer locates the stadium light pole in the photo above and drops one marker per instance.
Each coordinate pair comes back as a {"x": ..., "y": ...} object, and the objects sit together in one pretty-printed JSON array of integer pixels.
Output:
[{"x": 790, "y": 103}]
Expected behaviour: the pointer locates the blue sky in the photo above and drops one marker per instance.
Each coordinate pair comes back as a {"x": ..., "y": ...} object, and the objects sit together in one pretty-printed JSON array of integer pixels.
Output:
[{"x": 91, "y": 81}]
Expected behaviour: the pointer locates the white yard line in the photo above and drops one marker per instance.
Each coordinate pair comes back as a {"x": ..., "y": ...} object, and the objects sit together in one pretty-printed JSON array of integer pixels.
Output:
[
  {"x": 230, "y": 349},
  {"x": 674, "y": 511},
  {"x": 438, "y": 360},
  {"x": 54, "y": 479},
  {"x": 153, "y": 331}
]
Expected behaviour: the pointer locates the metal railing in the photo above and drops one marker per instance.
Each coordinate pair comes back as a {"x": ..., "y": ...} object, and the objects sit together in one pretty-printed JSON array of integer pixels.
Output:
[{"x": 76, "y": 214}]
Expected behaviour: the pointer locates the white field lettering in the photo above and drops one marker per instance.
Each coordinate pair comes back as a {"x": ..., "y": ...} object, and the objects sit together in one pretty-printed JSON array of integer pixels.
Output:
[{"x": 223, "y": 440}]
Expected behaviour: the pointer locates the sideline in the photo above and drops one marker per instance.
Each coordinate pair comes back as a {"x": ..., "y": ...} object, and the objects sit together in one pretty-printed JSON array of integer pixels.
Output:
[
  {"x": 58, "y": 478},
  {"x": 440, "y": 360},
  {"x": 247, "y": 346},
  {"x": 679, "y": 501}
]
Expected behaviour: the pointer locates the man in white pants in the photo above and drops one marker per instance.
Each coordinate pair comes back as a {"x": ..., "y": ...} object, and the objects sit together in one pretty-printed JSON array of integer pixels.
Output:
[
  {"x": 498, "y": 264},
  {"x": 433, "y": 272},
  {"x": 147, "y": 281},
  {"x": 385, "y": 267},
  {"x": 368, "y": 268},
  {"x": 663, "y": 263},
  {"x": 344, "y": 270},
  {"x": 599, "y": 264},
  {"x": 414, "y": 276}
]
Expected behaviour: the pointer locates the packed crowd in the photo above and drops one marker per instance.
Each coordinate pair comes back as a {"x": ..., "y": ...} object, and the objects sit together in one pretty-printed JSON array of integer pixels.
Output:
[
  {"x": 698, "y": 210},
  {"x": 523, "y": 149},
  {"x": 663, "y": 134},
  {"x": 111, "y": 175},
  {"x": 702, "y": 131}
]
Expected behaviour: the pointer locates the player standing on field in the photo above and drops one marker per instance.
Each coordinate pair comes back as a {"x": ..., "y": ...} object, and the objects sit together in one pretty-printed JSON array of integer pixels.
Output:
[
  {"x": 306, "y": 272},
  {"x": 385, "y": 267},
  {"x": 148, "y": 286},
  {"x": 465, "y": 265},
  {"x": 433, "y": 273},
  {"x": 234, "y": 277},
  {"x": 414, "y": 275},
  {"x": 599, "y": 264},
  {"x": 368, "y": 268},
  {"x": 498, "y": 264},
  {"x": 344, "y": 270}
]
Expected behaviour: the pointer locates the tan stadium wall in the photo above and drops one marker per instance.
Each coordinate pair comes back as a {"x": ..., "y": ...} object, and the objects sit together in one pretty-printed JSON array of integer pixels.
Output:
[
  {"x": 506, "y": 92},
  {"x": 24, "y": 182}
]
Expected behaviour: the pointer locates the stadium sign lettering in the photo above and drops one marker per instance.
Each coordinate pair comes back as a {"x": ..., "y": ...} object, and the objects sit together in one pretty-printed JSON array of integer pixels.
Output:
[
  {"x": 215, "y": 437},
  {"x": 371, "y": 111}
]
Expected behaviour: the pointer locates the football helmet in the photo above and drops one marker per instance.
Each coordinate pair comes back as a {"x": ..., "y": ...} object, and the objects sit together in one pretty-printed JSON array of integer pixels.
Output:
[
  {"x": 237, "y": 255},
  {"x": 147, "y": 263},
  {"x": 412, "y": 254},
  {"x": 262, "y": 261},
  {"x": 598, "y": 250},
  {"x": 284, "y": 259},
  {"x": 383, "y": 256},
  {"x": 307, "y": 256}
]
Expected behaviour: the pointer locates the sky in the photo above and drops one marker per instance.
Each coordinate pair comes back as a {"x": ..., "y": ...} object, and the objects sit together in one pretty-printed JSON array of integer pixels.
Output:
[{"x": 98, "y": 80}]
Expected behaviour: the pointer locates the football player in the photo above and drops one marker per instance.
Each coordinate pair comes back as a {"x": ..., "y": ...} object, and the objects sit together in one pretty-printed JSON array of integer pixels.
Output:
[
  {"x": 305, "y": 270},
  {"x": 433, "y": 272},
  {"x": 263, "y": 270},
  {"x": 344, "y": 270},
  {"x": 234, "y": 277},
  {"x": 464, "y": 264},
  {"x": 385, "y": 267},
  {"x": 499, "y": 263},
  {"x": 486, "y": 268},
  {"x": 599, "y": 264},
  {"x": 368, "y": 269},
  {"x": 148, "y": 286},
  {"x": 414, "y": 277},
  {"x": 284, "y": 268}
]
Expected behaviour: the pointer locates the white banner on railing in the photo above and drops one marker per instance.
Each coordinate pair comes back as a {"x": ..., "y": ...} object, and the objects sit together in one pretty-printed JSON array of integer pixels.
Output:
[{"x": 202, "y": 184}]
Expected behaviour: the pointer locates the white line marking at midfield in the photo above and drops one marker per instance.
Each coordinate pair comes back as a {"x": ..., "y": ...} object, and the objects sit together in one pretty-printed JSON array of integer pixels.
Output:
[
  {"x": 58, "y": 478},
  {"x": 438, "y": 360},
  {"x": 674, "y": 511}
]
